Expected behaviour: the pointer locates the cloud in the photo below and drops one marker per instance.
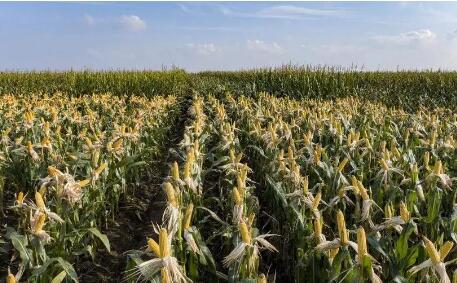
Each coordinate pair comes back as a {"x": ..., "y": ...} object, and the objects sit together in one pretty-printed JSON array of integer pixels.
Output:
[
  {"x": 89, "y": 20},
  {"x": 203, "y": 48},
  {"x": 335, "y": 49},
  {"x": 184, "y": 8},
  {"x": 132, "y": 23},
  {"x": 452, "y": 35},
  {"x": 284, "y": 12},
  {"x": 259, "y": 45},
  {"x": 295, "y": 12},
  {"x": 215, "y": 29},
  {"x": 422, "y": 35}
]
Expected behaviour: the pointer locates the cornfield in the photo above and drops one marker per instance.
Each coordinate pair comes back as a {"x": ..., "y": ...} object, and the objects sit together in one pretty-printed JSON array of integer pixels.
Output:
[{"x": 230, "y": 177}]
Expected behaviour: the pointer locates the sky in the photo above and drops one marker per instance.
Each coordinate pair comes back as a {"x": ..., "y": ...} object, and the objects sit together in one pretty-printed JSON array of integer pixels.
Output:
[{"x": 227, "y": 35}]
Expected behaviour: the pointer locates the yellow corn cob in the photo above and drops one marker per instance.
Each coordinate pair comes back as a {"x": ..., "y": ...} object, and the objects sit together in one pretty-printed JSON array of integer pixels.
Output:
[
  {"x": 426, "y": 159},
  {"x": 187, "y": 166},
  {"x": 384, "y": 165},
  {"x": 307, "y": 138},
  {"x": 39, "y": 223},
  {"x": 361, "y": 243},
  {"x": 29, "y": 146},
  {"x": 342, "y": 164},
  {"x": 237, "y": 197},
  {"x": 334, "y": 252},
  {"x": 404, "y": 213},
  {"x": 72, "y": 157},
  {"x": 232, "y": 155},
  {"x": 190, "y": 156},
  {"x": 431, "y": 251},
  {"x": 88, "y": 143},
  {"x": 10, "y": 278},
  {"x": 101, "y": 168},
  {"x": 317, "y": 200},
  {"x": 175, "y": 171},
  {"x": 438, "y": 167},
  {"x": 396, "y": 152},
  {"x": 154, "y": 247},
  {"x": 317, "y": 153},
  {"x": 433, "y": 138},
  {"x": 342, "y": 228},
  {"x": 39, "y": 201},
  {"x": 163, "y": 243},
  {"x": 240, "y": 183},
  {"x": 244, "y": 231},
  {"x": 164, "y": 276},
  {"x": 290, "y": 154},
  {"x": 305, "y": 185},
  {"x": 53, "y": 171},
  {"x": 363, "y": 191},
  {"x": 388, "y": 211},
  {"x": 355, "y": 185},
  {"x": 118, "y": 143},
  {"x": 170, "y": 194},
  {"x": 188, "y": 216},
  {"x": 261, "y": 278},
  {"x": 20, "y": 198},
  {"x": 445, "y": 249},
  {"x": 84, "y": 183}
]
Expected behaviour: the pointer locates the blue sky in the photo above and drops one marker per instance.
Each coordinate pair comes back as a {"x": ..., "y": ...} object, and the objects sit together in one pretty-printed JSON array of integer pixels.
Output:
[{"x": 227, "y": 35}]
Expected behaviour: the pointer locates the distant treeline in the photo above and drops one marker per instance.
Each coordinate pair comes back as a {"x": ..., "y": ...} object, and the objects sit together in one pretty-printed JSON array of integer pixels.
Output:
[{"x": 410, "y": 89}]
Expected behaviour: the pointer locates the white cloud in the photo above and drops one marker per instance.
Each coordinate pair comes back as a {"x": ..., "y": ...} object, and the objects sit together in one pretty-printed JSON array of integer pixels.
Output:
[
  {"x": 422, "y": 35},
  {"x": 335, "y": 49},
  {"x": 259, "y": 45},
  {"x": 132, "y": 23},
  {"x": 284, "y": 12},
  {"x": 294, "y": 12},
  {"x": 203, "y": 48},
  {"x": 184, "y": 8},
  {"x": 452, "y": 35},
  {"x": 89, "y": 20}
]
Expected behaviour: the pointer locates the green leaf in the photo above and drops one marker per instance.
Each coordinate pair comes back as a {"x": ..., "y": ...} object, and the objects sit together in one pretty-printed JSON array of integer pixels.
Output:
[
  {"x": 68, "y": 269},
  {"x": 203, "y": 248},
  {"x": 401, "y": 245},
  {"x": 338, "y": 261},
  {"x": 258, "y": 149},
  {"x": 101, "y": 236},
  {"x": 375, "y": 244},
  {"x": 136, "y": 164},
  {"x": 213, "y": 215},
  {"x": 278, "y": 191},
  {"x": 412, "y": 256},
  {"x": 60, "y": 277},
  {"x": 433, "y": 207},
  {"x": 366, "y": 267},
  {"x": 38, "y": 271},
  {"x": 20, "y": 244}
]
